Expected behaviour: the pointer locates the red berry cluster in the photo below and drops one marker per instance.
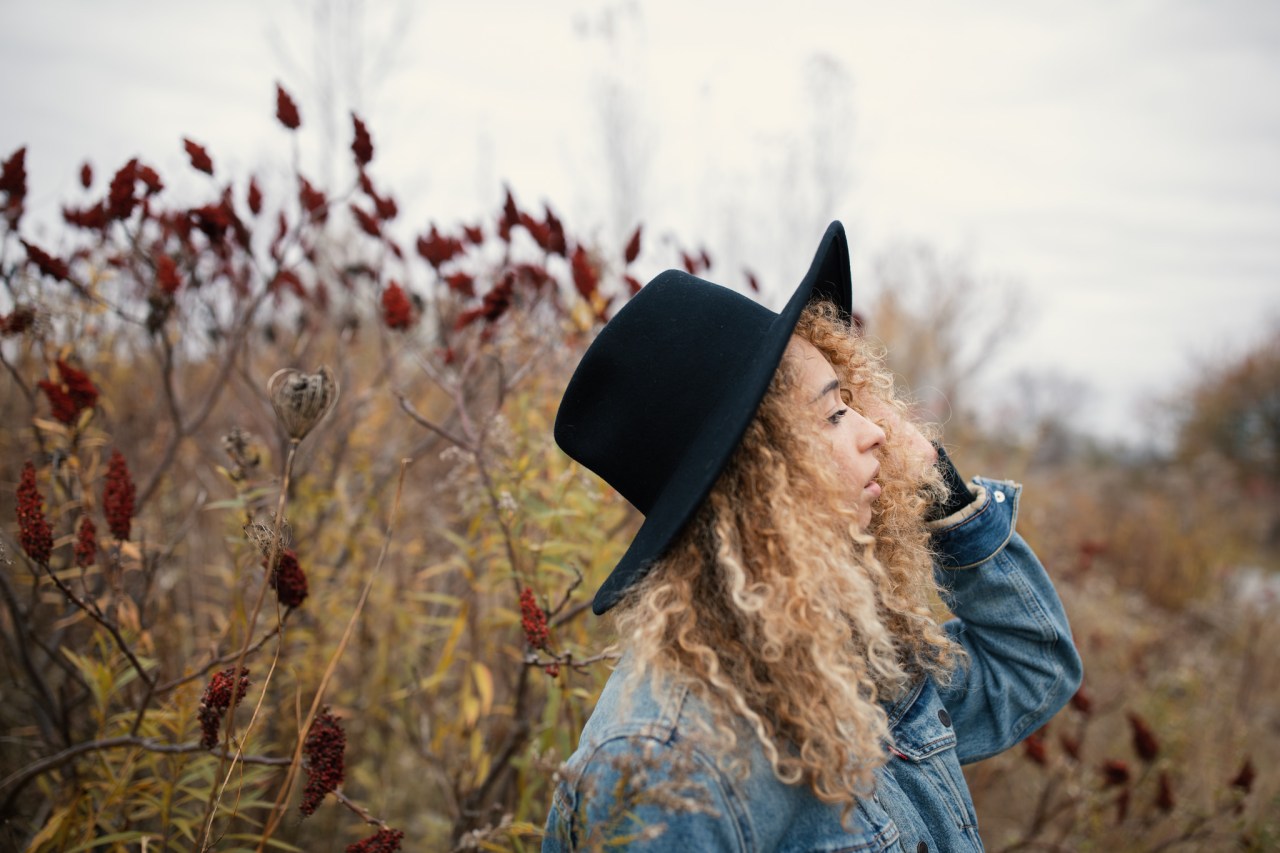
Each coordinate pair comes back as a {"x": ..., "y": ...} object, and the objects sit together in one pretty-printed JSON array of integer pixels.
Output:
[
  {"x": 288, "y": 580},
  {"x": 217, "y": 699},
  {"x": 397, "y": 310},
  {"x": 33, "y": 529},
  {"x": 325, "y": 744},
  {"x": 118, "y": 496},
  {"x": 71, "y": 394},
  {"x": 383, "y": 841},
  {"x": 86, "y": 543},
  {"x": 533, "y": 620}
]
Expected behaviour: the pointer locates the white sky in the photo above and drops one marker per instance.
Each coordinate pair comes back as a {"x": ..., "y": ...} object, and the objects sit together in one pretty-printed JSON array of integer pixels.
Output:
[{"x": 1120, "y": 160}]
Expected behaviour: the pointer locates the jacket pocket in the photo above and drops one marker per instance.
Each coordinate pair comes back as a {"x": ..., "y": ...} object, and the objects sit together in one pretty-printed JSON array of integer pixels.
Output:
[{"x": 927, "y": 765}]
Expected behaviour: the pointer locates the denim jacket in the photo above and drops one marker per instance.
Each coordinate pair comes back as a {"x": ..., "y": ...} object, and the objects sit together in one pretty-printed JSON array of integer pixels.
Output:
[{"x": 640, "y": 780}]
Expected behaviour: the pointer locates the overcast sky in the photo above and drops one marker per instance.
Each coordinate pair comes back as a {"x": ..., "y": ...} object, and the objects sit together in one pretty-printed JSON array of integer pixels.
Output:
[{"x": 1119, "y": 161}]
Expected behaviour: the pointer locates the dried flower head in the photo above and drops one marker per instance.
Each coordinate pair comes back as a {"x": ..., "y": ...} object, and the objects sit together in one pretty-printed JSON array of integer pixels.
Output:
[
  {"x": 217, "y": 700},
  {"x": 33, "y": 529},
  {"x": 263, "y": 534},
  {"x": 71, "y": 394},
  {"x": 238, "y": 445},
  {"x": 118, "y": 496},
  {"x": 288, "y": 580},
  {"x": 323, "y": 748},
  {"x": 86, "y": 543},
  {"x": 533, "y": 620},
  {"x": 382, "y": 841},
  {"x": 301, "y": 400}
]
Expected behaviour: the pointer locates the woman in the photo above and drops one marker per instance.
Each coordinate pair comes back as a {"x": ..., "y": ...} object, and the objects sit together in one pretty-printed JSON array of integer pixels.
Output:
[{"x": 784, "y": 685}]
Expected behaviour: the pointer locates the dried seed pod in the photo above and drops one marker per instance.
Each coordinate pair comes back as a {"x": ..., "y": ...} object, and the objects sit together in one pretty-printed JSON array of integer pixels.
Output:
[
  {"x": 301, "y": 400},
  {"x": 262, "y": 535}
]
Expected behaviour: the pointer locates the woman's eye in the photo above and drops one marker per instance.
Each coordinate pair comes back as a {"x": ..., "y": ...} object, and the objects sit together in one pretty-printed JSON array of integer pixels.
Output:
[{"x": 835, "y": 418}]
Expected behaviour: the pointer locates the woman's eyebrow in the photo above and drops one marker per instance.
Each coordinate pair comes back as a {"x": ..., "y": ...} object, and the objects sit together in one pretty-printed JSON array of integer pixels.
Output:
[{"x": 826, "y": 389}]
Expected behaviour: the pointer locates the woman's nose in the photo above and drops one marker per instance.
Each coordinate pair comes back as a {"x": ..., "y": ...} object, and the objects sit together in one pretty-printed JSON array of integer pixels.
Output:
[{"x": 869, "y": 436}]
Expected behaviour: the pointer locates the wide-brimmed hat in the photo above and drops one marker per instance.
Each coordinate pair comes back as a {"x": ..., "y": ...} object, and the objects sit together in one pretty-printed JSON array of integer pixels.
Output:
[{"x": 664, "y": 394}]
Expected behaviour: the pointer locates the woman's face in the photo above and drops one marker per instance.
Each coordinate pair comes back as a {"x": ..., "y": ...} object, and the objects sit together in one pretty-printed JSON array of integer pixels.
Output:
[{"x": 855, "y": 441}]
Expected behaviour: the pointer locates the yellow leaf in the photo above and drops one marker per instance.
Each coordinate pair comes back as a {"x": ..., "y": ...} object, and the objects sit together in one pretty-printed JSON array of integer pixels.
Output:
[
  {"x": 50, "y": 426},
  {"x": 484, "y": 685}
]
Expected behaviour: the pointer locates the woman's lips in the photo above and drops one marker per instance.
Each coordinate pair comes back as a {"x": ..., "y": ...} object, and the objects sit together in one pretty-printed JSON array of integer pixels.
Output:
[{"x": 873, "y": 489}]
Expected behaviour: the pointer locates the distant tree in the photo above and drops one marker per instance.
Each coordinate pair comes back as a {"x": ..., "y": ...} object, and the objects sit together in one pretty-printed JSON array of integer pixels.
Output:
[{"x": 1232, "y": 411}]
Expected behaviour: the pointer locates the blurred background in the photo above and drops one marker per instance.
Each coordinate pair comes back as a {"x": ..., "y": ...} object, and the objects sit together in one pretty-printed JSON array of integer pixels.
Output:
[
  {"x": 1065, "y": 226},
  {"x": 1112, "y": 169}
]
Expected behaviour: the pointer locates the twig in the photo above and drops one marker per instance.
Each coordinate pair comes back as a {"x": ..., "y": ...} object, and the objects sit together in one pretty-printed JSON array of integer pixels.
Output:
[
  {"x": 104, "y": 622},
  {"x": 422, "y": 421},
  {"x": 360, "y": 810},
  {"x": 19, "y": 779},
  {"x": 227, "y": 658}
]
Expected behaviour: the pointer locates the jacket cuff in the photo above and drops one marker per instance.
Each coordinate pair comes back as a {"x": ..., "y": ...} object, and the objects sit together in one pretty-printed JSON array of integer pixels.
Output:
[{"x": 978, "y": 532}]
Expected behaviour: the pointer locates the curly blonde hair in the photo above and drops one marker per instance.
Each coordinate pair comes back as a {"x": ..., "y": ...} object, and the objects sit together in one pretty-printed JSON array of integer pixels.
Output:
[{"x": 787, "y": 621}]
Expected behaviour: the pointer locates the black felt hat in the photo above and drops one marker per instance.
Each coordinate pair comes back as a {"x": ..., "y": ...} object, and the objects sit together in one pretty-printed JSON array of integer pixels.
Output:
[{"x": 665, "y": 392}]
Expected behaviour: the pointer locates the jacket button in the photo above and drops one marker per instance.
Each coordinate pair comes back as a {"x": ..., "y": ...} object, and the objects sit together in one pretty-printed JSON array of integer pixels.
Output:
[
  {"x": 945, "y": 719},
  {"x": 922, "y": 848},
  {"x": 998, "y": 497}
]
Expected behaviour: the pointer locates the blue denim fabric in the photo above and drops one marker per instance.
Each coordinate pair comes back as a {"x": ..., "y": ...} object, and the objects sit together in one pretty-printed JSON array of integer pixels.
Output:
[{"x": 641, "y": 779}]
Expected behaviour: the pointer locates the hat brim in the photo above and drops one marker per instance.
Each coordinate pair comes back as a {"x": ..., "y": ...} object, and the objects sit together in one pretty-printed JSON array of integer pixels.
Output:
[{"x": 828, "y": 279}]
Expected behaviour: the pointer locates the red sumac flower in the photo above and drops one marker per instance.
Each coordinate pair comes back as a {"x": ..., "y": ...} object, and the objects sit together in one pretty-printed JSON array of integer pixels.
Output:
[
  {"x": 474, "y": 234},
  {"x": 437, "y": 249},
  {"x": 255, "y": 197},
  {"x": 461, "y": 283},
  {"x": 362, "y": 146},
  {"x": 397, "y": 310},
  {"x": 1115, "y": 772},
  {"x": 1071, "y": 746},
  {"x": 323, "y": 748},
  {"x": 383, "y": 841},
  {"x": 200, "y": 159},
  {"x": 585, "y": 277},
  {"x": 33, "y": 529},
  {"x": 312, "y": 200},
  {"x": 368, "y": 222},
  {"x": 557, "y": 244},
  {"x": 86, "y": 174},
  {"x": 18, "y": 321},
  {"x": 48, "y": 264},
  {"x": 71, "y": 394},
  {"x": 1144, "y": 740},
  {"x": 118, "y": 496},
  {"x": 167, "y": 278},
  {"x": 1082, "y": 702},
  {"x": 533, "y": 620},
  {"x": 1036, "y": 750},
  {"x": 288, "y": 580},
  {"x": 13, "y": 183},
  {"x": 633, "y": 246},
  {"x": 752, "y": 281},
  {"x": 86, "y": 543},
  {"x": 120, "y": 195},
  {"x": 1244, "y": 779},
  {"x": 632, "y": 283},
  {"x": 217, "y": 700},
  {"x": 286, "y": 109}
]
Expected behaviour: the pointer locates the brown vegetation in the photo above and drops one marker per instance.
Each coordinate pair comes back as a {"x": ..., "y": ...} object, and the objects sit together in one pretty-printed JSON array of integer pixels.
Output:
[{"x": 287, "y": 533}]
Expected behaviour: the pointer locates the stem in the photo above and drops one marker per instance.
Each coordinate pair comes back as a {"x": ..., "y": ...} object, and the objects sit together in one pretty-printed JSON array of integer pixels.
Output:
[
  {"x": 215, "y": 792},
  {"x": 277, "y": 810},
  {"x": 104, "y": 622}
]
